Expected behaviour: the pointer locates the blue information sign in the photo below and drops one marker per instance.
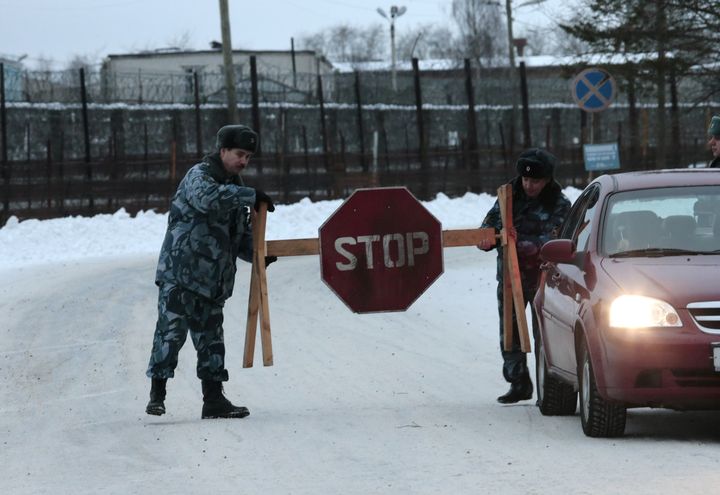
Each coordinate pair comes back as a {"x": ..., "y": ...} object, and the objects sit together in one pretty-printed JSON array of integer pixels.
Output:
[
  {"x": 601, "y": 156},
  {"x": 593, "y": 89}
]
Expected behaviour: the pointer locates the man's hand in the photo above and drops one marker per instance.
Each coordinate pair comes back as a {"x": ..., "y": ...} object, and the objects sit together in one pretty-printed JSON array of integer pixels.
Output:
[
  {"x": 487, "y": 244},
  {"x": 261, "y": 197},
  {"x": 270, "y": 259}
]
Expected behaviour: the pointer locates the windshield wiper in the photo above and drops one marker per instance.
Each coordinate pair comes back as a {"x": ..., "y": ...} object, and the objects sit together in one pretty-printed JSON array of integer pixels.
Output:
[{"x": 658, "y": 252}]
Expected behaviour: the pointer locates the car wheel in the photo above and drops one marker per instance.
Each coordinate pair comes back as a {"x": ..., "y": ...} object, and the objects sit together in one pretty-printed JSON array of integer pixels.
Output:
[
  {"x": 599, "y": 418},
  {"x": 555, "y": 398}
]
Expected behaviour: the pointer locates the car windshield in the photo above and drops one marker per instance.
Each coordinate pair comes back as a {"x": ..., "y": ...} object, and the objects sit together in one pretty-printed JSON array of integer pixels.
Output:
[{"x": 662, "y": 222}]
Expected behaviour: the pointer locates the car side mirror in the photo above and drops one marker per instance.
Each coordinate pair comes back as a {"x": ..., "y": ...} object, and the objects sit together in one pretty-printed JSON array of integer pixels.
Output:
[{"x": 560, "y": 251}]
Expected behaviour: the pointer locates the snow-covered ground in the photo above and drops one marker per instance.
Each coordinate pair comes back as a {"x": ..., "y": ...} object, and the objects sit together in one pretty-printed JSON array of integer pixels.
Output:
[{"x": 355, "y": 404}]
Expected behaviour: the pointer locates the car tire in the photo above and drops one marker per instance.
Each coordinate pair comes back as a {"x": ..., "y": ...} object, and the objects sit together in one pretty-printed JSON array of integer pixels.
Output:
[
  {"x": 599, "y": 417},
  {"x": 554, "y": 397}
]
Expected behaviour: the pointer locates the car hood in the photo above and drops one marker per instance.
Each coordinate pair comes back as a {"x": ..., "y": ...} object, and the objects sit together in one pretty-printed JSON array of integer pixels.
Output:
[{"x": 678, "y": 280}]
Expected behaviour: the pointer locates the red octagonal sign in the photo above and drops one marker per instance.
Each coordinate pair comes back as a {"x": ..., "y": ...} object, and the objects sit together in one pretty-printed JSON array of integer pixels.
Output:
[{"x": 380, "y": 250}]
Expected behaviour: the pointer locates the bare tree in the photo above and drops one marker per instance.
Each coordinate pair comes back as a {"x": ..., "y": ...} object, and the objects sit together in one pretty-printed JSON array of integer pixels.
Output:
[
  {"x": 482, "y": 29},
  {"x": 428, "y": 41},
  {"x": 346, "y": 43}
]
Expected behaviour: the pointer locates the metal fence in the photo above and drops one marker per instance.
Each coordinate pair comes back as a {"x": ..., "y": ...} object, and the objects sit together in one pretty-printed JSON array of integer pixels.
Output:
[{"x": 459, "y": 123}]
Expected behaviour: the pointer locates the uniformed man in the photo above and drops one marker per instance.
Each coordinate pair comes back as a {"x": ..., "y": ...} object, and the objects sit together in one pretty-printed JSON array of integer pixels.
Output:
[
  {"x": 539, "y": 209},
  {"x": 208, "y": 228}
]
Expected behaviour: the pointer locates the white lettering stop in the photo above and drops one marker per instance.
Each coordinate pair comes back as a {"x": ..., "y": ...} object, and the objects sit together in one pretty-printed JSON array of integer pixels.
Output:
[{"x": 398, "y": 249}]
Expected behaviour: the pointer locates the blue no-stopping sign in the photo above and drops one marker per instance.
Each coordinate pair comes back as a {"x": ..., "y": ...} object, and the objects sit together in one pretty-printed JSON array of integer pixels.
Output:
[{"x": 593, "y": 89}]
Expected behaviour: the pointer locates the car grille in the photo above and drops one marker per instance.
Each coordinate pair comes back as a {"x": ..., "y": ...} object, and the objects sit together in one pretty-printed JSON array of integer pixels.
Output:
[{"x": 706, "y": 315}]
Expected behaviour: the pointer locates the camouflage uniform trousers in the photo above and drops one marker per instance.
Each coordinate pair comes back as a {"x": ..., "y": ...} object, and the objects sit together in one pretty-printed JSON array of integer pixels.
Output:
[
  {"x": 515, "y": 361},
  {"x": 181, "y": 311}
]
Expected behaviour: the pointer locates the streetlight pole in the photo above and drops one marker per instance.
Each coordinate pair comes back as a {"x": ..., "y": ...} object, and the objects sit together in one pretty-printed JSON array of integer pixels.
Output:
[{"x": 395, "y": 11}]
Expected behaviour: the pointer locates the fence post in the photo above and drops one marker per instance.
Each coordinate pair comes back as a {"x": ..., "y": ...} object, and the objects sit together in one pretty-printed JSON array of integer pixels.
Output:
[
  {"x": 86, "y": 134},
  {"x": 421, "y": 128},
  {"x": 5, "y": 166},
  {"x": 674, "y": 118},
  {"x": 48, "y": 175},
  {"x": 255, "y": 104},
  {"x": 294, "y": 67},
  {"x": 503, "y": 148},
  {"x": 323, "y": 130},
  {"x": 472, "y": 126},
  {"x": 198, "y": 117},
  {"x": 146, "y": 170},
  {"x": 361, "y": 131},
  {"x": 527, "y": 137}
]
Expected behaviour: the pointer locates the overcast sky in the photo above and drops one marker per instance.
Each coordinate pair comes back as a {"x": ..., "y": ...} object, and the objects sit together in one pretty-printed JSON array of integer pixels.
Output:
[{"x": 60, "y": 30}]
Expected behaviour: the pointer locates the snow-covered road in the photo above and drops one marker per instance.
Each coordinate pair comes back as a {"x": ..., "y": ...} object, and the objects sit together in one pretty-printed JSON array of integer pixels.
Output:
[{"x": 381, "y": 403}]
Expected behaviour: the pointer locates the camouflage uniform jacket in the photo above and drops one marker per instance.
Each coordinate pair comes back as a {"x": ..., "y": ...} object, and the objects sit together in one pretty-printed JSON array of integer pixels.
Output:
[
  {"x": 208, "y": 227},
  {"x": 536, "y": 220}
]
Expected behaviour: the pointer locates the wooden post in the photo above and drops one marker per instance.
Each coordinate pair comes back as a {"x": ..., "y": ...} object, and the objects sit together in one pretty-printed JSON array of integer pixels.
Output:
[
  {"x": 198, "y": 116},
  {"x": 292, "y": 52},
  {"x": 527, "y": 137},
  {"x": 3, "y": 115},
  {"x": 361, "y": 132},
  {"x": 420, "y": 127},
  {"x": 258, "y": 300},
  {"x": 472, "y": 125},
  {"x": 255, "y": 104},
  {"x": 513, "y": 268},
  {"x": 4, "y": 156},
  {"x": 86, "y": 134},
  {"x": 323, "y": 130}
]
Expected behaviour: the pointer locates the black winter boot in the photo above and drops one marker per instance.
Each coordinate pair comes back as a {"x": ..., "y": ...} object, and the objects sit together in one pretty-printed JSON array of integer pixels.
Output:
[
  {"x": 156, "y": 406},
  {"x": 519, "y": 390},
  {"x": 215, "y": 405}
]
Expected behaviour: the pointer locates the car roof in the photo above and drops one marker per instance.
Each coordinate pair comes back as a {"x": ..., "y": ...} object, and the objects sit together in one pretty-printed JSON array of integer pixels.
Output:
[{"x": 650, "y": 179}]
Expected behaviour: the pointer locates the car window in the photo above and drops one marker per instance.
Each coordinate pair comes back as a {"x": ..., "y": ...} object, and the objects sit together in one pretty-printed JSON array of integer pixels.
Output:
[
  {"x": 671, "y": 218},
  {"x": 582, "y": 232},
  {"x": 576, "y": 225}
]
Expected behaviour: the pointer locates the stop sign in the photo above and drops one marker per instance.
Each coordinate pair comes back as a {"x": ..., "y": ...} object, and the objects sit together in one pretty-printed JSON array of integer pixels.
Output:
[{"x": 380, "y": 250}]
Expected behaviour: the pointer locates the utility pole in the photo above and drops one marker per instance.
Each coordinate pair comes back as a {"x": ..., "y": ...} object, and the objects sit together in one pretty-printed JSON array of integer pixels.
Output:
[
  {"x": 512, "y": 75},
  {"x": 227, "y": 62}
]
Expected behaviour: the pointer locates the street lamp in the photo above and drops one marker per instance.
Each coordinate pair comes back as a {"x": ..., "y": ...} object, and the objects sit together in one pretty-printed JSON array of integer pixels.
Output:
[{"x": 395, "y": 11}]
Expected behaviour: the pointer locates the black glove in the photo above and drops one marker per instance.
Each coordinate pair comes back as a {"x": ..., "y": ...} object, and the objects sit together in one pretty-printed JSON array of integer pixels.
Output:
[
  {"x": 260, "y": 196},
  {"x": 270, "y": 259}
]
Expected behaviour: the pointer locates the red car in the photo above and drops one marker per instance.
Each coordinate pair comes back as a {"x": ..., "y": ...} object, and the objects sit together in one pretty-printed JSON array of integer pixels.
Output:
[{"x": 629, "y": 300}]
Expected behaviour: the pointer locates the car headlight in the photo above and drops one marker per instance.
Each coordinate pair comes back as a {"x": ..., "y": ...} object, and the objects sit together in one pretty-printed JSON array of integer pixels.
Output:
[{"x": 640, "y": 312}]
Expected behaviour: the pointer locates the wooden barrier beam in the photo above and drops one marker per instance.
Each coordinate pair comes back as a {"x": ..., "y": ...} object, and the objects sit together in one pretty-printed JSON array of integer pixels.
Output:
[{"x": 309, "y": 246}]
